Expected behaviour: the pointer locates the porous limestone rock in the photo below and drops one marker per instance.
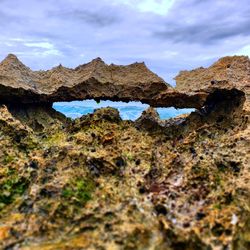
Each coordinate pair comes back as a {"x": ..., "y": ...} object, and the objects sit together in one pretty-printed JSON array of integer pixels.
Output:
[
  {"x": 228, "y": 71},
  {"x": 99, "y": 81},
  {"x": 94, "y": 80},
  {"x": 100, "y": 182}
]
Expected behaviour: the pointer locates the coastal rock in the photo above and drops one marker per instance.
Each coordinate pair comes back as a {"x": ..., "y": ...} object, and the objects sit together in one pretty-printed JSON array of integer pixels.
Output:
[
  {"x": 94, "y": 80},
  {"x": 227, "y": 72},
  {"x": 99, "y": 81},
  {"x": 231, "y": 70},
  {"x": 100, "y": 182},
  {"x": 149, "y": 120}
]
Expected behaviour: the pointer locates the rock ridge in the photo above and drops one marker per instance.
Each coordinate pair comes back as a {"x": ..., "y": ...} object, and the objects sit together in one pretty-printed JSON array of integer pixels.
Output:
[{"x": 134, "y": 82}]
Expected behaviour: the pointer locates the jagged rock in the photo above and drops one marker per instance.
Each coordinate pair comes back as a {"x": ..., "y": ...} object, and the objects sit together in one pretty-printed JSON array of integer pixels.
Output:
[
  {"x": 227, "y": 72},
  {"x": 149, "y": 120},
  {"x": 109, "y": 114},
  {"x": 94, "y": 80},
  {"x": 38, "y": 117},
  {"x": 97, "y": 80},
  {"x": 10, "y": 125},
  {"x": 234, "y": 70}
]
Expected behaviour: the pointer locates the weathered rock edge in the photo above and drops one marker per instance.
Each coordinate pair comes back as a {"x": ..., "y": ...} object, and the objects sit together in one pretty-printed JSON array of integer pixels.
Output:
[{"x": 99, "y": 81}]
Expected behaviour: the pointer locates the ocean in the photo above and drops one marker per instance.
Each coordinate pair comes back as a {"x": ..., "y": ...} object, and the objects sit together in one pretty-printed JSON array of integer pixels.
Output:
[{"x": 128, "y": 111}]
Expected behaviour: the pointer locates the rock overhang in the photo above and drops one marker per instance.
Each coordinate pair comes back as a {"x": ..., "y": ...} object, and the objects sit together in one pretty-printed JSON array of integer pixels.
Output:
[{"x": 135, "y": 82}]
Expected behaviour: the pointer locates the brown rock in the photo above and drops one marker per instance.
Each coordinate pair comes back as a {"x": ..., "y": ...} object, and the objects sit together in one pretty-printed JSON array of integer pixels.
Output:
[
  {"x": 135, "y": 82},
  {"x": 149, "y": 120},
  {"x": 94, "y": 80},
  {"x": 227, "y": 72}
]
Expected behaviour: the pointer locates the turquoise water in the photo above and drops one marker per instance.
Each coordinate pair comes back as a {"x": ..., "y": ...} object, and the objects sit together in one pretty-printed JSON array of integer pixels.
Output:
[{"x": 128, "y": 111}]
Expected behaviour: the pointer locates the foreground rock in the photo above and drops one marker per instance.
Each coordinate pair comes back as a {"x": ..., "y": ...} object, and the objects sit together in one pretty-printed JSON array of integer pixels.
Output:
[{"x": 99, "y": 182}]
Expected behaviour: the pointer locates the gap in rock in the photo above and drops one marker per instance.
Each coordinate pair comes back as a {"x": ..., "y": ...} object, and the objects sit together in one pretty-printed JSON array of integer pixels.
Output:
[{"x": 128, "y": 111}]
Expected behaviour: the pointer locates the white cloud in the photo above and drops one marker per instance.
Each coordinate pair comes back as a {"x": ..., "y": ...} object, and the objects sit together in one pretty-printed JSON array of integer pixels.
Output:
[
  {"x": 30, "y": 47},
  {"x": 244, "y": 51},
  {"x": 43, "y": 49},
  {"x": 43, "y": 45},
  {"x": 159, "y": 7}
]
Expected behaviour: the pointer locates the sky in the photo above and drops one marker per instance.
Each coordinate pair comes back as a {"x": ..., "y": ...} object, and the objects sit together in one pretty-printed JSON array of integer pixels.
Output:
[{"x": 168, "y": 35}]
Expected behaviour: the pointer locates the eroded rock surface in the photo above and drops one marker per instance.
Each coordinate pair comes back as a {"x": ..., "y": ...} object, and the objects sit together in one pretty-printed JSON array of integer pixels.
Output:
[
  {"x": 99, "y": 182},
  {"x": 97, "y": 80},
  {"x": 235, "y": 70},
  {"x": 94, "y": 80},
  {"x": 231, "y": 71}
]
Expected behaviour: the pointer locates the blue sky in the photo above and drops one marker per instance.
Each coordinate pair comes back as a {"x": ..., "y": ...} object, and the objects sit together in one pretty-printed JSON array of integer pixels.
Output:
[{"x": 169, "y": 35}]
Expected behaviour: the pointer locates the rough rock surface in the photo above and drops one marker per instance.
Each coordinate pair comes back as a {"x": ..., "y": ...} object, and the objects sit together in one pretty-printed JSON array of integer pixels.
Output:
[
  {"x": 99, "y": 182},
  {"x": 230, "y": 71},
  {"x": 234, "y": 70},
  {"x": 94, "y": 80}
]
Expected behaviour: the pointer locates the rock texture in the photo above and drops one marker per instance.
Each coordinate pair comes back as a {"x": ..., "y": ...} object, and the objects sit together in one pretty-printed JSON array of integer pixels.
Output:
[
  {"x": 231, "y": 71},
  {"x": 99, "y": 182},
  {"x": 235, "y": 70},
  {"x": 96, "y": 80}
]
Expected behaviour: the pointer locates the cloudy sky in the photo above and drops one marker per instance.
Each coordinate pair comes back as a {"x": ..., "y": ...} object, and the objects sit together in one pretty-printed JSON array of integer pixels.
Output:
[{"x": 169, "y": 35}]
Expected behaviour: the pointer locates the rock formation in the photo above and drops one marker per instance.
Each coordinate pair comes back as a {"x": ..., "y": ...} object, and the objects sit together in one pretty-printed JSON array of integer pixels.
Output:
[
  {"x": 96, "y": 80},
  {"x": 230, "y": 71},
  {"x": 99, "y": 182}
]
